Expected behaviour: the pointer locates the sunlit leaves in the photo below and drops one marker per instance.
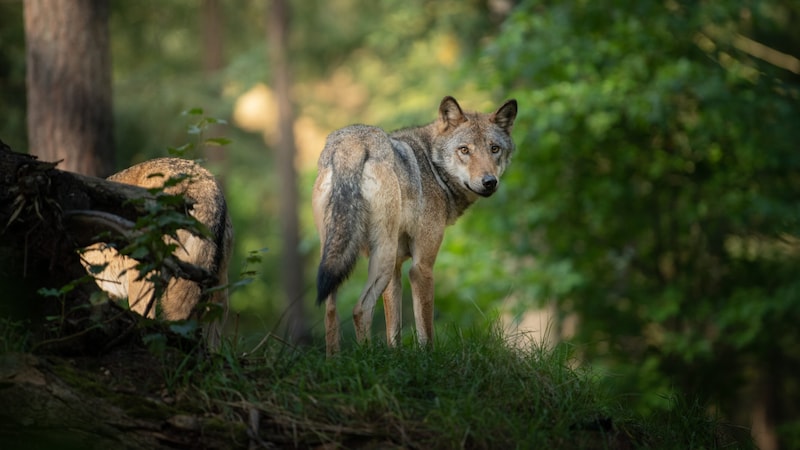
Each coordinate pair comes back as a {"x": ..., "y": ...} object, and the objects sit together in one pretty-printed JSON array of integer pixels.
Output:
[{"x": 643, "y": 149}]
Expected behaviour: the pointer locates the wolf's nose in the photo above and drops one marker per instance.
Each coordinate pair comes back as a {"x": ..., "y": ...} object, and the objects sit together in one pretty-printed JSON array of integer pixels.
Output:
[{"x": 489, "y": 182}]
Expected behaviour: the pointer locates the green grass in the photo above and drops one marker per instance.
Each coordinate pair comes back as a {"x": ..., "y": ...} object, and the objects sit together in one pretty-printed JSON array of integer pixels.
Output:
[{"x": 471, "y": 391}]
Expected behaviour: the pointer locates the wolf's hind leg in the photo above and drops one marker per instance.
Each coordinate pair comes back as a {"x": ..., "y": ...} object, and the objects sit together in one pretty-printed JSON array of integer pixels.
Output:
[
  {"x": 381, "y": 189},
  {"x": 381, "y": 264},
  {"x": 393, "y": 307},
  {"x": 331, "y": 326}
]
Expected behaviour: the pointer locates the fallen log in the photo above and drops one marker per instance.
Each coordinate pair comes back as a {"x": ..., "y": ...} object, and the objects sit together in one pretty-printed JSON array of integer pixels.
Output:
[
  {"x": 46, "y": 216},
  {"x": 54, "y": 395}
]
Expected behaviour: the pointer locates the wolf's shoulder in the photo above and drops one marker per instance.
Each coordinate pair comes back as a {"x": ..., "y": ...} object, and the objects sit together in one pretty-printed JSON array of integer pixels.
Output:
[
  {"x": 418, "y": 138},
  {"x": 361, "y": 132}
]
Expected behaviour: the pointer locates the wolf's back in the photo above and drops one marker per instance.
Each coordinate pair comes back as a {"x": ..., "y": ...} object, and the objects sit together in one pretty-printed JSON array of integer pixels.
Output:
[{"x": 347, "y": 211}]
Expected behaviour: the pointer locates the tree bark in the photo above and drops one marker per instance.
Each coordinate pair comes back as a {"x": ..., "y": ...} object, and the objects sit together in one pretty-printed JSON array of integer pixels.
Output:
[
  {"x": 69, "y": 84},
  {"x": 292, "y": 264},
  {"x": 212, "y": 36}
]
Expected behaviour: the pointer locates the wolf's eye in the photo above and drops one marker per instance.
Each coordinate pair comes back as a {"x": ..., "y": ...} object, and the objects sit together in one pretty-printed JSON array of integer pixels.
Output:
[
  {"x": 495, "y": 148},
  {"x": 463, "y": 149}
]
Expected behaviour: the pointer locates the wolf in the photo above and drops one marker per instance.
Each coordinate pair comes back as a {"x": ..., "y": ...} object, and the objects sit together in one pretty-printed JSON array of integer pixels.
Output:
[
  {"x": 391, "y": 195},
  {"x": 121, "y": 280}
]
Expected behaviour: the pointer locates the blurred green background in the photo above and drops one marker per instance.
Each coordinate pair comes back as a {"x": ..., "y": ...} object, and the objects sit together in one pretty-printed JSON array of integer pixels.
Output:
[{"x": 650, "y": 215}]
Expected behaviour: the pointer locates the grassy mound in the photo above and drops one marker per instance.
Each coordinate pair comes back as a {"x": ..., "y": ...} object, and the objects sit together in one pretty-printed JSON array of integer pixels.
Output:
[{"x": 472, "y": 390}]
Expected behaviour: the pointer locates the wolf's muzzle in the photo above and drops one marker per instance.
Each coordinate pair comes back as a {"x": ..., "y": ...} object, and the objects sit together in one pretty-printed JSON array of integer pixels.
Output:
[{"x": 489, "y": 183}]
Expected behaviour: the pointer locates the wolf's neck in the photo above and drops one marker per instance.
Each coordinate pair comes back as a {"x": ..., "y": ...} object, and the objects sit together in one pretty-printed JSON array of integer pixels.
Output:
[
  {"x": 458, "y": 199},
  {"x": 421, "y": 140}
]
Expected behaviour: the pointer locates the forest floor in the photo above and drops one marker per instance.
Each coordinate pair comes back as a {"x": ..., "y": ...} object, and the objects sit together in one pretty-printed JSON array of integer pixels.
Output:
[{"x": 471, "y": 391}]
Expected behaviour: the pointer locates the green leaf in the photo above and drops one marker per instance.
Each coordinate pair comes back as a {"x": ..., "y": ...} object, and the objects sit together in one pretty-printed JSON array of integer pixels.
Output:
[
  {"x": 192, "y": 112},
  {"x": 216, "y": 121},
  {"x": 49, "y": 292},
  {"x": 155, "y": 342},
  {"x": 184, "y": 328},
  {"x": 182, "y": 150},
  {"x": 220, "y": 141}
]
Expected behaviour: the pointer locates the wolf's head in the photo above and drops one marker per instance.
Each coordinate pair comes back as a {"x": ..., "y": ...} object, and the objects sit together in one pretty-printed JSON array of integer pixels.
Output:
[{"x": 474, "y": 148}]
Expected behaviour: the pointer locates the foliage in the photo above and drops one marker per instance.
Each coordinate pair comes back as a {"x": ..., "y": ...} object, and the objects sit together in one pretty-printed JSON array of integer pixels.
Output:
[
  {"x": 14, "y": 335},
  {"x": 197, "y": 130},
  {"x": 656, "y": 188}
]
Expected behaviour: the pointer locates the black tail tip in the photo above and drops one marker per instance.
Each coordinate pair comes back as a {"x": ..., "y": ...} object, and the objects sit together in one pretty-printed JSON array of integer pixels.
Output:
[
  {"x": 332, "y": 273},
  {"x": 327, "y": 283}
]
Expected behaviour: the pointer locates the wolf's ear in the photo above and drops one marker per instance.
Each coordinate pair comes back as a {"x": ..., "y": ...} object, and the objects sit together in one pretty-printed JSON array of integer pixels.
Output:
[
  {"x": 505, "y": 115},
  {"x": 450, "y": 114}
]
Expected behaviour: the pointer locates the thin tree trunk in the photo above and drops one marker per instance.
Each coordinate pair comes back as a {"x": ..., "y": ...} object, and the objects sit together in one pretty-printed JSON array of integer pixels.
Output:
[
  {"x": 69, "y": 84},
  {"x": 212, "y": 35},
  {"x": 292, "y": 264},
  {"x": 763, "y": 411}
]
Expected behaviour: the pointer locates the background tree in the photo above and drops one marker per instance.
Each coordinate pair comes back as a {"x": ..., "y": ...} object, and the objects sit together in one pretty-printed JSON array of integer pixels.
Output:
[
  {"x": 69, "y": 84},
  {"x": 12, "y": 75},
  {"x": 212, "y": 34},
  {"x": 278, "y": 21}
]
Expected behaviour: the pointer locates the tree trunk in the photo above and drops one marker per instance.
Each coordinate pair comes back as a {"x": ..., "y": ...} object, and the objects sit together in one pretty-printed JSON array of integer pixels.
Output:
[
  {"x": 292, "y": 264},
  {"x": 212, "y": 35},
  {"x": 69, "y": 84}
]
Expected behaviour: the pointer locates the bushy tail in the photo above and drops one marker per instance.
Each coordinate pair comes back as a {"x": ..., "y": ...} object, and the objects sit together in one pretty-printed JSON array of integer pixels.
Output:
[{"x": 345, "y": 227}]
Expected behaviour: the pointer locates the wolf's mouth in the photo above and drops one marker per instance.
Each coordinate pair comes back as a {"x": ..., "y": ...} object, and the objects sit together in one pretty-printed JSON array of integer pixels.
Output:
[{"x": 482, "y": 192}]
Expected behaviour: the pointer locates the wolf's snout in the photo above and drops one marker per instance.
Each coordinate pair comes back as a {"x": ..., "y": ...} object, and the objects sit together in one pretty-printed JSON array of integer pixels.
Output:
[{"x": 489, "y": 182}]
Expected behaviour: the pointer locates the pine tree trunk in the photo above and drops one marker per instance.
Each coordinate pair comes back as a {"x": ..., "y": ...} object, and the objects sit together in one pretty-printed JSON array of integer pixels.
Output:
[
  {"x": 292, "y": 264},
  {"x": 212, "y": 35},
  {"x": 69, "y": 84}
]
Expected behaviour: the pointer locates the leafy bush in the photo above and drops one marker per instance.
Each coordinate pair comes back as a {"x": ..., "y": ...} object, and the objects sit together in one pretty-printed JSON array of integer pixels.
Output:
[{"x": 655, "y": 191}]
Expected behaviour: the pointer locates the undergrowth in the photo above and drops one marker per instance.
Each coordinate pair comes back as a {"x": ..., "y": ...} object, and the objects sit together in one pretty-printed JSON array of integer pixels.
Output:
[{"x": 472, "y": 390}]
